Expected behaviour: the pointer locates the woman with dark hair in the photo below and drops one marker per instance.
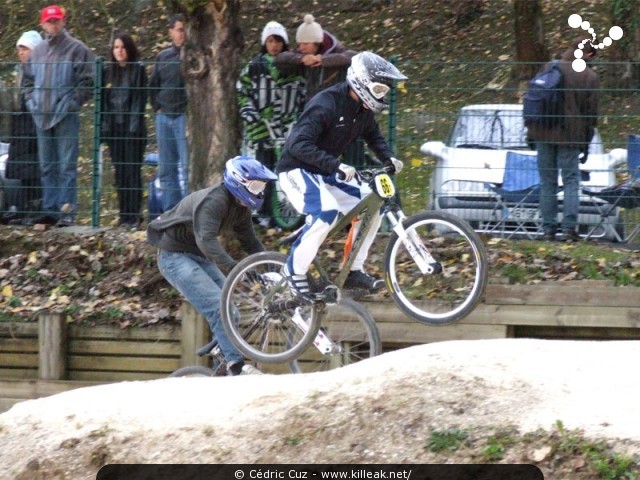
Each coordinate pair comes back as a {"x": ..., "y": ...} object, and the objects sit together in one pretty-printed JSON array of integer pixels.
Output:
[{"x": 123, "y": 129}]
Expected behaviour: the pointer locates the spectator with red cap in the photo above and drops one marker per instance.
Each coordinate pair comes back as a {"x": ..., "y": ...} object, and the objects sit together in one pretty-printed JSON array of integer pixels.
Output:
[{"x": 58, "y": 80}]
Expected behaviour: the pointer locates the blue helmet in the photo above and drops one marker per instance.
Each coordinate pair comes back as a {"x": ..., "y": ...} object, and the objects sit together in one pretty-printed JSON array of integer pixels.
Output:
[{"x": 246, "y": 178}]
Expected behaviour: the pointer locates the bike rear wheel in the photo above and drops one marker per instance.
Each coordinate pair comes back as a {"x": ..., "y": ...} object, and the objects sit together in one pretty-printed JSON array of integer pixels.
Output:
[
  {"x": 354, "y": 336},
  {"x": 194, "y": 371},
  {"x": 284, "y": 214},
  {"x": 257, "y": 311},
  {"x": 447, "y": 295}
]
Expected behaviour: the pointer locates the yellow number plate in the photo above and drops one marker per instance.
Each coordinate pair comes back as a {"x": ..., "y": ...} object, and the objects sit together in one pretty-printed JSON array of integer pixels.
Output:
[{"x": 384, "y": 186}]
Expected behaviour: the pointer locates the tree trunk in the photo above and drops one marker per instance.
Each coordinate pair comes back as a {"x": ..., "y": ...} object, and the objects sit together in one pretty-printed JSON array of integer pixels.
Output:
[
  {"x": 530, "y": 45},
  {"x": 621, "y": 70},
  {"x": 210, "y": 64}
]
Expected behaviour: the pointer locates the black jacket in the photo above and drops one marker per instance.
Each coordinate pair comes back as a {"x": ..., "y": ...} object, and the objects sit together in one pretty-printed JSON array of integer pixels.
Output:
[
  {"x": 166, "y": 85},
  {"x": 331, "y": 121},
  {"x": 23, "y": 163},
  {"x": 124, "y": 98}
]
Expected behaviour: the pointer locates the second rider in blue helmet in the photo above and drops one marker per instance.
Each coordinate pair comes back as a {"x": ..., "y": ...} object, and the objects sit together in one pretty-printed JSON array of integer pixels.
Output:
[{"x": 191, "y": 258}]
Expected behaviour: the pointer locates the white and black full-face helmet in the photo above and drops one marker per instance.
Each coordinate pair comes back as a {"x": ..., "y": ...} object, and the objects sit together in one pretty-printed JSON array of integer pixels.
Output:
[{"x": 371, "y": 76}]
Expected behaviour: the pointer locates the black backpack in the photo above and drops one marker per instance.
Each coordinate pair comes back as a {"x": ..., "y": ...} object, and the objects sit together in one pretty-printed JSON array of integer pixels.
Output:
[{"x": 543, "y": 101}]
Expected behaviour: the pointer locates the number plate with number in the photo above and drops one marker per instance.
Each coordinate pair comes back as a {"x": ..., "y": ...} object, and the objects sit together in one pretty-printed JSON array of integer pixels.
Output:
[
  {"x": 384, "y": 186},
  {"x": 525, "y": 213}
]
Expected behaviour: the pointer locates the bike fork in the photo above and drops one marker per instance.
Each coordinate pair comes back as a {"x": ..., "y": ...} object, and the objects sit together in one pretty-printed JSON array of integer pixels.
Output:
[
  {"x": 414, "y": 245},
  {"x": 321, "y": 342}
]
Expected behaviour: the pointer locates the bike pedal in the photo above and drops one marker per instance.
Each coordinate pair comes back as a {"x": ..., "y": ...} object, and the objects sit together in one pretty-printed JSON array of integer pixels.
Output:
[{"x": 331, "y": 295}]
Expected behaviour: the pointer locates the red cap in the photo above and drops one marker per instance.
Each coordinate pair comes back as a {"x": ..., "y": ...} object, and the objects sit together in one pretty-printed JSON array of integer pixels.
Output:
[{"x": 51, "y": 12}]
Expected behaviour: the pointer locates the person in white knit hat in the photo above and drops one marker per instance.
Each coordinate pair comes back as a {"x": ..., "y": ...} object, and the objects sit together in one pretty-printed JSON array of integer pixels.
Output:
[
  {"x": 22, "y": 162},
  {"x": 319, "y": 57},
  {"x": 270, "y": 100}
]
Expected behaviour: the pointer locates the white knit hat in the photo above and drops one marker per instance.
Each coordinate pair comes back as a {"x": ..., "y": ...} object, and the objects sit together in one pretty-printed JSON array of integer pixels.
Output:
[
  {"x": 310, "y": 31},
  {"x": 29, "y": 39},
  {"x": 274, "y": 28}
]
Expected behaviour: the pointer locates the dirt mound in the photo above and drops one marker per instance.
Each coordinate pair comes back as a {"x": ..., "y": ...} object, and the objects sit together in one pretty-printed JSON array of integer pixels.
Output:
[{"x": 524, "y": 396}]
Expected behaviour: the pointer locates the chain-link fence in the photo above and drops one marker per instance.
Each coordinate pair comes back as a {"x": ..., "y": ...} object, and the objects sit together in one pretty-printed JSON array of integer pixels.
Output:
[{"x": 455, "y": 125}]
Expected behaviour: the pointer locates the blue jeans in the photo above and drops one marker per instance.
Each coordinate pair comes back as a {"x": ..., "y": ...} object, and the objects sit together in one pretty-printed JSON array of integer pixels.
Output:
[
  {"x": 58, "y": 154},
  {"x": 551, "y": 159},
  {"x": 200, "y": 281},
  {"x": 172, "y": 158}
]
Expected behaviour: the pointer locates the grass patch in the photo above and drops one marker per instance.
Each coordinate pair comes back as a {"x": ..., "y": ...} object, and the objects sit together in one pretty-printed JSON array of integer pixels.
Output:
[
  {"x": 447, "y": 440},
  {"x": 497, "y": 445}
]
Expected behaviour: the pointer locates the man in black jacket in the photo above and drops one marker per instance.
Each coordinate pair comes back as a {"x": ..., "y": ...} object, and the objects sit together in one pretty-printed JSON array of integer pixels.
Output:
[
  {"x": 314, "y": 179},
  {"x": 169, "y": 100}
]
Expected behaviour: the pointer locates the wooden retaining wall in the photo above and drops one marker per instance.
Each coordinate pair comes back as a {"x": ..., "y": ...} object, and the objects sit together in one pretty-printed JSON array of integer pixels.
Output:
[{"x": 50, "y": 356}]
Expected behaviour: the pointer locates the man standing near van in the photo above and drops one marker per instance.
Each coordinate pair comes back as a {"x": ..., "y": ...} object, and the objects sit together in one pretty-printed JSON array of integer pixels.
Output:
[{"x": 559, "y": 146}]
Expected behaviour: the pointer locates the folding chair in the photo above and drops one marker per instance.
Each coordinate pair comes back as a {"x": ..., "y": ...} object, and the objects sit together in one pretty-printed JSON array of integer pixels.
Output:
[
  {"x": 517, "y": 210},
  {"x": 624, "y": 195}
]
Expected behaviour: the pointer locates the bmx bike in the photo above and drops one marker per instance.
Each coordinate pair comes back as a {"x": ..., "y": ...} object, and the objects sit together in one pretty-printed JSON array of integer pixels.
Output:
[
  {"x": 354, "y": 337},
  {"x": 435, "y": 269}
]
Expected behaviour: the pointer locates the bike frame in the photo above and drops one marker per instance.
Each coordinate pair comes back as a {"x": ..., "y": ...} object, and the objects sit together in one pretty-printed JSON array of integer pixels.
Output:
[{"x": 394, "y": 214}]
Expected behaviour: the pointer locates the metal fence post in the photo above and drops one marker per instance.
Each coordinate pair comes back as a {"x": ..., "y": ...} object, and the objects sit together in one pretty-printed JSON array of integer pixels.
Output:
[{"x": 97, "y": 160}]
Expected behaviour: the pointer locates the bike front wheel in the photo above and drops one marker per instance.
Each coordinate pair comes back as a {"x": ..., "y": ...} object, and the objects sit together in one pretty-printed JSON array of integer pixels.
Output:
[
  {"x": 351, "y": 335},
  {"x": 259, "y": 315},
  {"x": 460, "y": 274}
]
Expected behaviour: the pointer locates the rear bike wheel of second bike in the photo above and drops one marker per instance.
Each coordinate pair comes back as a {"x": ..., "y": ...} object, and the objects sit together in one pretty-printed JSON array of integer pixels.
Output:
[
  {"x": 351, "y": 335},
  {"x": 456, "y": 286},
  {"x": 259, "y": 314},
  {"x": 284, "y": 214}
]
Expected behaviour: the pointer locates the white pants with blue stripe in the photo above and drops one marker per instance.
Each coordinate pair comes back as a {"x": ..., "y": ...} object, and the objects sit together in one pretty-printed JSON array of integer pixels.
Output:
[{"x": 322, "y": 198}]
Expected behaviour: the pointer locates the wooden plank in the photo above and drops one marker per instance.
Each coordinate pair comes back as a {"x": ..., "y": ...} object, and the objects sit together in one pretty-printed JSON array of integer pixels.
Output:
[
  {"x": 37, "y": 388},
  {"x": 576, "y": 333},
  {"x": 52, "y": 345},
  {"x": 559, "y": 294},
  {"x": 20, "y": 373},
  {"x": 574, "y": 316},
  {"x": 125, "y": 364},
  {"x": 603, "y": 316},
  {"x": 17, "y": 345},
  {"x": 108, "y": 377},
  {"x": 159, "y": 333},
  {"x": 18, "y": 329},
  {"x": 124, "y": 348},
  {"x": 418, "y": 333},
  {"x": 19, "y": 360}
]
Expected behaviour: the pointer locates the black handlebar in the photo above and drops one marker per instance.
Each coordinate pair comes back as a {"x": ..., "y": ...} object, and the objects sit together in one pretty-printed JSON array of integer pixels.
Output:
[{"x": 369, "y": 173}]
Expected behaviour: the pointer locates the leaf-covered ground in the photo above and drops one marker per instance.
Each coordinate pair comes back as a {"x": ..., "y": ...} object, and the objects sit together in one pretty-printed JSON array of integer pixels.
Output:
[{"x": 110, "y": 275}]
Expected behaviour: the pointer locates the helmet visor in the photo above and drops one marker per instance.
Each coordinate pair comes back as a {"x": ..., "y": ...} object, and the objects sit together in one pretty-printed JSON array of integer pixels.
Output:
[
  {"x": 256, "y": 187},
  {"x": 378, "y": 90}
]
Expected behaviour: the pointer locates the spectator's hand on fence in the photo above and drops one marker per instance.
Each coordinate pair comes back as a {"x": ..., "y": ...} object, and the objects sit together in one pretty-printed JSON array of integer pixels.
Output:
[
  {"x": 347, "y": 172},
  {"x": 397, "y": 164}
]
